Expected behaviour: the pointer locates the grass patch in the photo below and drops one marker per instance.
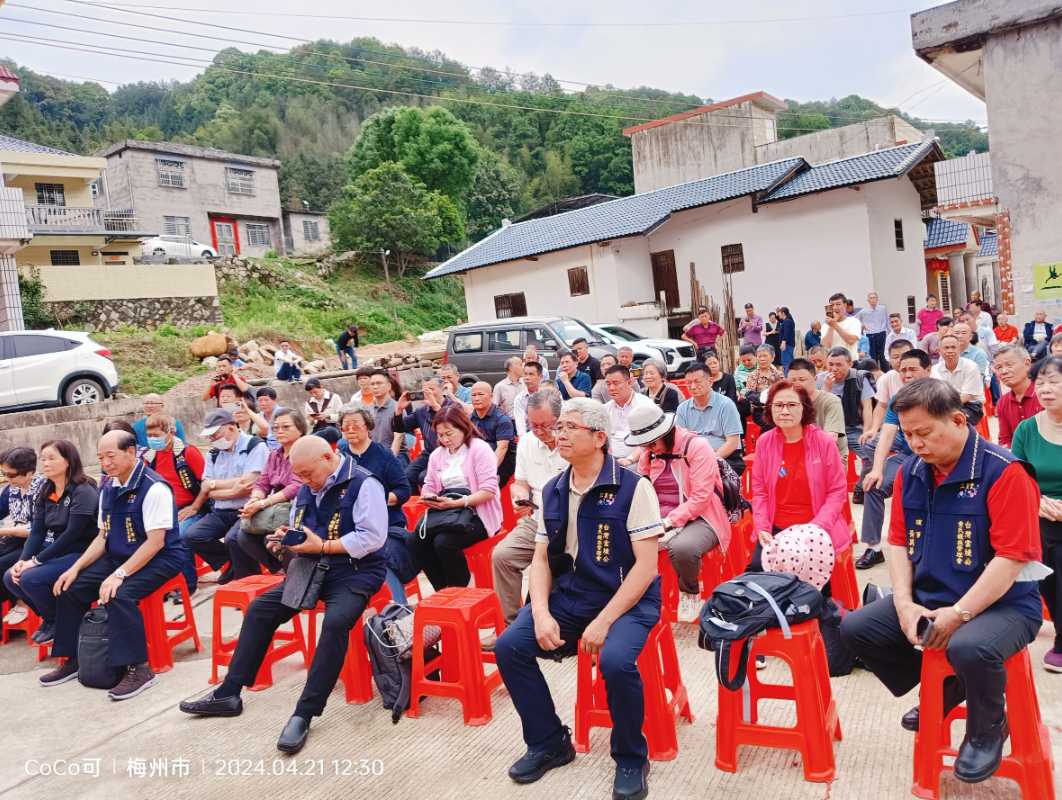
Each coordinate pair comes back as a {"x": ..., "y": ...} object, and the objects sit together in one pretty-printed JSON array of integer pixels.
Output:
[{"x": 309, "y": 311}]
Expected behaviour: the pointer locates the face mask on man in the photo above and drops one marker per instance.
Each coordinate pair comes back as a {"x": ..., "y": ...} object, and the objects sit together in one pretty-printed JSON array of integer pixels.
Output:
[{"x": 156, "y": 442}]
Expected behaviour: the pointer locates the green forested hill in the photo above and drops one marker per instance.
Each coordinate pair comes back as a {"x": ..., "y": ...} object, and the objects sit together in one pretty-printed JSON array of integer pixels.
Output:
[{"x": 241, "y": 102}]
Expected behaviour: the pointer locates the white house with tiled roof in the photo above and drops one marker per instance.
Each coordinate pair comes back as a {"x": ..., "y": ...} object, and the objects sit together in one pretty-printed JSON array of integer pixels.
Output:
[{"x": 784, "y": 233}]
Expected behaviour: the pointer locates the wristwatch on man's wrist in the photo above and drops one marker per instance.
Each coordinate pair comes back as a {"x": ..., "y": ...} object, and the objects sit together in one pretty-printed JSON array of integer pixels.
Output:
[
  {"x": 120, "y": 574},
  {"x": 965, "y": 616}
]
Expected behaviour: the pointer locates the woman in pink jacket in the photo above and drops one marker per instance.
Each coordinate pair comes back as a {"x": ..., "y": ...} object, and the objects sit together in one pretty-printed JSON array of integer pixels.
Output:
[
  {"x": 797, "y": 477},
  {"x": 683, "y": 470},
  {"x": 464, "y": 467}
]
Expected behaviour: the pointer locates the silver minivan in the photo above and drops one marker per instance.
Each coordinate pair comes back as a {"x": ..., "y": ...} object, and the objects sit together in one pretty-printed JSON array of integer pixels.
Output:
[{"x": 479, "y": 350}]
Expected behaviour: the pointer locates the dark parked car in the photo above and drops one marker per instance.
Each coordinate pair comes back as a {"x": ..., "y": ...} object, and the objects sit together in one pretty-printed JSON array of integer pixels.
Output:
[{"x": 479, "y": 350}]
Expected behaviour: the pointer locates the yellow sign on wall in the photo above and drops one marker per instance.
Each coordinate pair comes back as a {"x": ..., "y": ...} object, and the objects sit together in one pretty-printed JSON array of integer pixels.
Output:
[{"x": 1047, "y": 281}]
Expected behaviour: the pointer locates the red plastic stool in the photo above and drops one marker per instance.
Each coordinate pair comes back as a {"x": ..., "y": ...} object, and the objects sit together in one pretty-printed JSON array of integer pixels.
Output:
[
  {"x": 713, "y": 571},
  {"x": 460, "y": 613},
  {"x": 669, "y": 588},
  {"x": 240, "y": 594},
  {"x": 508, "y": 511},
  {"x": 752, "y": 433},
  {"x": 479, "y": 556},
  {"x": 413, "y": 509},
  {"x": 164, "y": 634},
  {"x": 843, "y": 584},
  {"x": 665, "y": 695},
  {"x": 201, "y": 567},
  {"x": 746, "y": 476},
  {"x": 739, "y": 553},
  {"x": 846, "y": 512},
  {"x": 853, "y": 476},
  {"x": 28, "y": 626},
  {"x": 816, "y": 711},
  {"x": 1029, "y": 764},
  {"x": 982, "y": 428}
]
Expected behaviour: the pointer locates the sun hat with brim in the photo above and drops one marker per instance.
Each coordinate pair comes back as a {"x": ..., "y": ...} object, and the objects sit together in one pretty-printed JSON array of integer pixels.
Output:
[
  {"x": 648, "y": 423},
  {"x": 215, "y": 420}
]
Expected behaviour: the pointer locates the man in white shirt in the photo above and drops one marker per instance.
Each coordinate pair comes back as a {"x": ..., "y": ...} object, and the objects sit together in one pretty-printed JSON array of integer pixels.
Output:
[
  {"x": 532, "y": 383},
  {"x": 537, "y": 461},
  {"x": 624, "y": 400},
  {"x": 874, "y": 318},
  {"x": 286, "y": 362},
  {"x": 897, "y": 330},
  {"x": 841, "y": 329},
  {"x": 970, "y": 351},
  {"x": 963, "y": 375},
  {"x": 506, "y": 390}
]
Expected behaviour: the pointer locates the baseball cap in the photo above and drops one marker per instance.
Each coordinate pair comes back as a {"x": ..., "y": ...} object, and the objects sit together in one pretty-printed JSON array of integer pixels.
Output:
[{"x": 215, "y": 420}]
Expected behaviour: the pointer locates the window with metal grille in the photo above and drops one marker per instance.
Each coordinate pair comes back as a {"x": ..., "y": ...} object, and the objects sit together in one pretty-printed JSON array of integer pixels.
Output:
[
  {"x": 911, "y": 308},
  {"x": 733, "y": 258},
  {"x": 944, "y": 291},
  {"x": 258, "y": 235},
  {"x": 95, "y": 187},
  {"x": 510, "y": 305},
  {"x": 176, "y": 226},
  {"x": 50, "y": 194},
  {"x": 240, "y": 181},
  {"x": 311, "y": 231},
  {"x": 170, "y": 171},
  {"x": 65, "y": 258},
  {"x": 578, "y": 282},
  {"x": 897, "y": 227}
]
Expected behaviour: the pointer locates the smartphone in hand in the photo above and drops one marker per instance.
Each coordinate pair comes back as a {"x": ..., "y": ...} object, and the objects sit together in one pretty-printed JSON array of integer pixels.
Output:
[{"x": 293, "y": 537}]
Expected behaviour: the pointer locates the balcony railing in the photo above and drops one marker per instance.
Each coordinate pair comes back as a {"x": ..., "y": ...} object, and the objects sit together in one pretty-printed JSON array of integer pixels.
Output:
[
  {"x": 965, "y": 181},
  {"x": 72, "y": 219}
]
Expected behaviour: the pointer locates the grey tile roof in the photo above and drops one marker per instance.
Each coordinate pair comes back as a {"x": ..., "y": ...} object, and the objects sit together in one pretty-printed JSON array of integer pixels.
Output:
[
  {"x": 890, "y": 163},
  {"x": 626, "y": 216},
  {"x": 945, "y": 232},
  {"x": 989, "y": 245},
  {"x": 640, "y": 213},
  {"x": 22, "y": 146}
]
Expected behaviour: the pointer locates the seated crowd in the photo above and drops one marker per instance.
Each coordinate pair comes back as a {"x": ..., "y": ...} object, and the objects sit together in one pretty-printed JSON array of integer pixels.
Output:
[{"x": 605, "y": 466}]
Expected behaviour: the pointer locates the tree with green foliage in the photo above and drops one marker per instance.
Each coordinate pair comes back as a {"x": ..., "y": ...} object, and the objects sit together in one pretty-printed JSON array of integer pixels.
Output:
[
  {"x": 493, "y": 197},
  {"x": 386, "y": 209},
  {"x": 431, "y": 145},
  {"x": 557, "y": 181}
]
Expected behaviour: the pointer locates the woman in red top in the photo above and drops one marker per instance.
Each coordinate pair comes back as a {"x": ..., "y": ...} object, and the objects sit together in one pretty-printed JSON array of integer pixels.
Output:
[{"x": 797, "y": 477}]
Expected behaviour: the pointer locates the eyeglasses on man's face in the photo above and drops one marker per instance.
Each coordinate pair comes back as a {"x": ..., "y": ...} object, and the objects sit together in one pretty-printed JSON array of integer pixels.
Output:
[{"x": 571, "y": 427}]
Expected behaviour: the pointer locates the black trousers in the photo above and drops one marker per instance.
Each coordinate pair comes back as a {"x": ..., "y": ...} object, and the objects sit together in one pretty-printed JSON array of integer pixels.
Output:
[
  {"x": 206, "y": 537},
  {"x": 8, "y": 558},
  {"x": 125, "y": 625},
  {"x": 416, "y": 470},
  {"x": 877, "y": 349},
  {"x": 976, "y": 652},
  {"x": 507, "y": 467},
  {"x": 442, "y": 555},
  {"x": 1051, "y": 586},
  {"x": 345, "y": 592}
]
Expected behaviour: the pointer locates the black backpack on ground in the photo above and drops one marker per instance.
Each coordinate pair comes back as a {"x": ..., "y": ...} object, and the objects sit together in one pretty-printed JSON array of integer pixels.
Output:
[
  {"x": 747, "y": 605},
  {"x": 387, "y": 638},
  {"x": 93, "y": 645}
]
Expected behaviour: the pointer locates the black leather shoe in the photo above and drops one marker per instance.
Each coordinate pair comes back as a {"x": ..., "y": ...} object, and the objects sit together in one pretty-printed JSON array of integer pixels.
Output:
[
  {"x": 293, "y": 737},
  {"x": 980, "y": 756},
  {"x": 631, "y": 783},
  {"x": 869, "y": 559},
  {"x": 536, "y": 763},
  {"x": 954, "y": 693},
  {"x": 857, "y": 495},
  {"x": 210, "y": 706}
]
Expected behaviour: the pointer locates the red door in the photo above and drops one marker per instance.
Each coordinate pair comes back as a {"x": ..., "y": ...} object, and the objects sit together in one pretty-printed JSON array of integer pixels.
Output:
[{"x": 225, "y": 235}]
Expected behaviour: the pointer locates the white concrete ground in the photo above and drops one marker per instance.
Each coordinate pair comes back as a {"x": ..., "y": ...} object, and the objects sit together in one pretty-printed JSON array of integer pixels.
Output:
[{"x": 355, "y": 751}]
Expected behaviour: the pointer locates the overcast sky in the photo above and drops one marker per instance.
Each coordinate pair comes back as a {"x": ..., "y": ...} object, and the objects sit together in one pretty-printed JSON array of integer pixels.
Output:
[{"x": 716, "y": 50}]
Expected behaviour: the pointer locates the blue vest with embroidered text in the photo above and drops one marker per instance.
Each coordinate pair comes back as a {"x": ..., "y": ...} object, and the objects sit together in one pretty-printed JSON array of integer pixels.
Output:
[
  {"x": 606, "y": 554},
  {"x": 334, "y": 515},
  {"x": 123, "y": 520},
  {"x": 948, "y": 527}
]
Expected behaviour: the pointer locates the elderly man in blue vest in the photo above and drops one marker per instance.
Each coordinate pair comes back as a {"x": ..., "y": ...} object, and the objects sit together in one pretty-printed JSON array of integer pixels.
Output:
[
  {"x": 137, "y": 550},
  {"x": 342, "y": 510},
  {"x": 597, "y": 548},
  {"x": 963, "y": 550}
]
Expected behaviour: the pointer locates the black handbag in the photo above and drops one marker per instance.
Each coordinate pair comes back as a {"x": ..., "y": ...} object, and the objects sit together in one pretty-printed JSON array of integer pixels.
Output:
[
  {"x": 437, "y": 521},
  {"x": 93, "y": 645},
  {"x": 303, "y": 578}
]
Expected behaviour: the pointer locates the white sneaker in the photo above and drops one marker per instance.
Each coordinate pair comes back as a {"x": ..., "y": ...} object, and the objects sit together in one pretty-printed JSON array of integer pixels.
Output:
[
  {"x": 689, "y": 609},
  {"x": 16, "y": 615}
]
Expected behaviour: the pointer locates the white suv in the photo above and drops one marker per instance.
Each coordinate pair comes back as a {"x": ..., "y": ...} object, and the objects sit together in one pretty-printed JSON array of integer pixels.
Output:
[{"x": 49, "y": 368}]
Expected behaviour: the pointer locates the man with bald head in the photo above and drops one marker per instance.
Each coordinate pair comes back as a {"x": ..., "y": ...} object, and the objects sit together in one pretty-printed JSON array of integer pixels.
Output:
[
  {"x": 496, "y": 428},
  {"x": 138, "y": 549},
  {"x": 154, "y": 404},
  {"x": 338, "y": 524}
]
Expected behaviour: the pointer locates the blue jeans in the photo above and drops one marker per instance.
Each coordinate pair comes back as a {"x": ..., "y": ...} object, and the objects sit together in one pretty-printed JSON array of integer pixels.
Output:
[
  {"x": 289, "y": 372},
  {"x": 191, "y": 576},
  {"x": 787, "y": 357},
  {"x": 35, "y": 586},
  {"x": 517, "y": 654},
  {"x": 874, "y": 502},
  {"x": 347, "y": 354}
]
